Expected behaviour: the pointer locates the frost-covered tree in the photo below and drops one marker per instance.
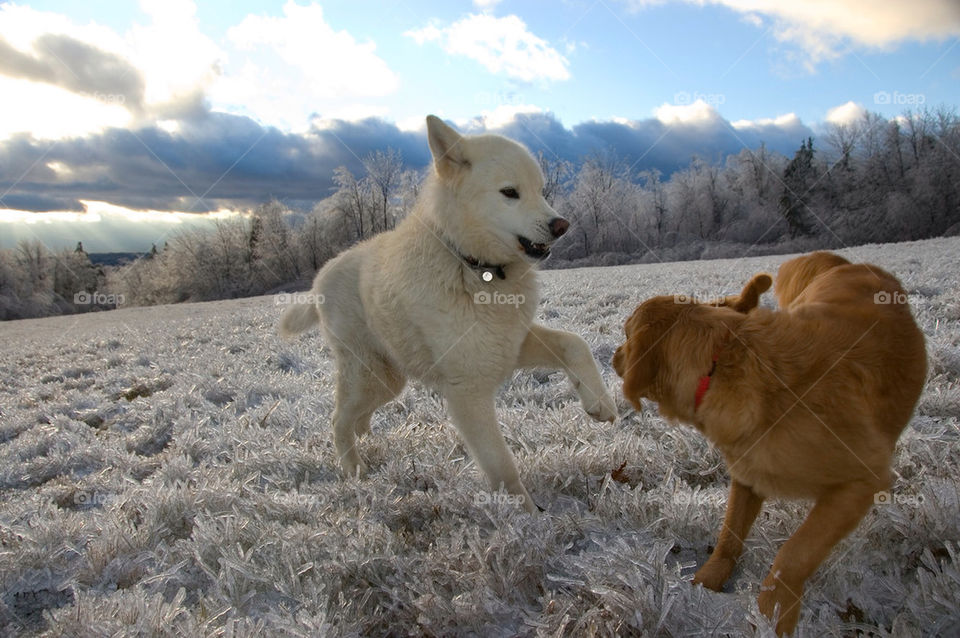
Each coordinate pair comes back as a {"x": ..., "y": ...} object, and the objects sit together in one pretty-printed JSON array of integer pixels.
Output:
[
  {"x": 556, "y": 176},
  {"x": 326, "y": 232},
  {"x": 276, "y": 258},
  {"x": 355, "y": 199},
  {"x": 753, "y": 179},
  {"x": 653, "y": 205},
  {"x": 74, "y": 276},
  {"x": 33, "y": 262},
  {"x": 384, "y": 177},
  {"x": 601, "y": 207}
]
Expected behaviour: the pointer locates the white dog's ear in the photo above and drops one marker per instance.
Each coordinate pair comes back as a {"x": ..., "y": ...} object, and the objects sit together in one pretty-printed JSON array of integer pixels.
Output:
[{"x": 446, "y": 145}]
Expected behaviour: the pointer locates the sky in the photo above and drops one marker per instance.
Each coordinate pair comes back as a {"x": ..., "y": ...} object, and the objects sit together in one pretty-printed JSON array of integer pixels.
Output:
[{"x": 122, "y": 122}]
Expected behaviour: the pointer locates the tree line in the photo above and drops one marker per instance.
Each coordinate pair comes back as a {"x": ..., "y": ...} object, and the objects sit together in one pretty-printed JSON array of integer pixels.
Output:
[{"x": 873, "y": 180}]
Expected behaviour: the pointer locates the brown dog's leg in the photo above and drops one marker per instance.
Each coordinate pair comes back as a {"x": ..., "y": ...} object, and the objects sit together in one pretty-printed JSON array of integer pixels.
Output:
[
  {"x": 834, "y": 515},
  {"x": 742, "y": 509}
]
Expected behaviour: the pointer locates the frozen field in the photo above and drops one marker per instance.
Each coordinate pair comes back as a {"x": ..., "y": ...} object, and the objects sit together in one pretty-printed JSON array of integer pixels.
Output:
[{"x": 170, "y": 471}]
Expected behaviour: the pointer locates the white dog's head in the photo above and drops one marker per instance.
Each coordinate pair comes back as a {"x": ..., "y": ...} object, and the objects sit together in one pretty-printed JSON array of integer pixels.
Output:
[{"x": 488, "y": 196}]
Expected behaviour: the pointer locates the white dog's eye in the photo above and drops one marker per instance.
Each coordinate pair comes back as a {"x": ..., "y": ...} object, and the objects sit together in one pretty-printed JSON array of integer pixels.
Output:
[{"x": 510, "y": 192}]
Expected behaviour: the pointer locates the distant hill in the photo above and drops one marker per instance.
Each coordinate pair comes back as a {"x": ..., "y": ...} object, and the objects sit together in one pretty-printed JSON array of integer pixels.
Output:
[{"x": 115, "y": 259}]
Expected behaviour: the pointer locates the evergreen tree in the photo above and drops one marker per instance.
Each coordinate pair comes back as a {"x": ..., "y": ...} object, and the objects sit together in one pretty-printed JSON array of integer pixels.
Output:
[{"x": 798, "y": 179}]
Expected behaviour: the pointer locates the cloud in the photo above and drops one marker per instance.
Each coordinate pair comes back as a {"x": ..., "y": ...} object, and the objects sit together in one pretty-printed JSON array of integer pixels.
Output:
[
  {"x": 39, "y": 110},
  {"x": 39, "y": 203},
  {"x": 789, "y": 120},
  {"x": 502, "y": 115},
  {"x": 287, "y": 67},
  {"x": 486, "y": 5},
  {"x": 824, "y": 29},
  {"x": 76, "y": 66},
  {"x": 783, "y": 133},
  {"x": 501, "y": 45},
  {"x": 846, "y": 114},
  {"x": 97, "y": 76},
  {"x": 281, "y": 70},
  {"x": 691, "y": 114},
  {"x": 332, "y": 60},
  {"x": 177, "y": 60},
  {"x": 219, "y": 161}
]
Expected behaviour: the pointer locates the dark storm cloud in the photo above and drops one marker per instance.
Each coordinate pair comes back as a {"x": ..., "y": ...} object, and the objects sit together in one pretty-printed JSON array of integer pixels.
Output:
[
  {"x": 217, "y": 160},
  {"x": 77, "y": 67},
  {"x": 41, "y": 203},
  {"x": 651, "y": 143}
]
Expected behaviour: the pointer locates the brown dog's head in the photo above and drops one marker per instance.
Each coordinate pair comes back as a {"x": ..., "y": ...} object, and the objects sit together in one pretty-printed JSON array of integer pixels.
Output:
[{"x": 671, "y": 343}]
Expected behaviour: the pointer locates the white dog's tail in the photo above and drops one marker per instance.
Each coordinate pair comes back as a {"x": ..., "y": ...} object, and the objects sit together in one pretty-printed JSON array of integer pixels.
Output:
[{"x": 298, "y": 318}]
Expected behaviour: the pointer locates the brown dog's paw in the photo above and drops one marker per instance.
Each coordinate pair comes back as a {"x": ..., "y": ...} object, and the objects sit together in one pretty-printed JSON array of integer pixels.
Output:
[
  {"x": 714, "y": 573},
  {"x": 777, "y": 598}
]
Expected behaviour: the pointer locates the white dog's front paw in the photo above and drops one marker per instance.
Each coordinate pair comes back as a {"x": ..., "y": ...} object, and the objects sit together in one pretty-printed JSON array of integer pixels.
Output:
[
  {"x": 602, "y": 409},
  {"x": 353, "y": 467}
]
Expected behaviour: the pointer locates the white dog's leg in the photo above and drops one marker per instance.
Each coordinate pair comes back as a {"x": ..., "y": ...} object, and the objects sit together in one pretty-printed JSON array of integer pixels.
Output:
[
  {"x": 475, "y": 418},
  {"x": 548, "y": 348},
  {"x": 362, "y": 387}
]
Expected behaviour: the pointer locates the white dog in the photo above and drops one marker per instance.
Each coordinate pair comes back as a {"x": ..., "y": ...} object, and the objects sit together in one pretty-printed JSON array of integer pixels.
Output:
[{"x": 448, "y": 297}]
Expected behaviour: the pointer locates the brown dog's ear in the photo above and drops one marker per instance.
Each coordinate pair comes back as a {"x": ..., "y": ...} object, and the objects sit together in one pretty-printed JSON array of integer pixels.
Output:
[
  {"x": 637, "y": 363},
  {"x": 446, "y": 146},
  {"x": 749, "y": 297}
]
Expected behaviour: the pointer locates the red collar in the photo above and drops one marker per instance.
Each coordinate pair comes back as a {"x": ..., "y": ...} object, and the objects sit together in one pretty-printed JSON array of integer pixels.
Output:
[{"x": 704, "y": 383}]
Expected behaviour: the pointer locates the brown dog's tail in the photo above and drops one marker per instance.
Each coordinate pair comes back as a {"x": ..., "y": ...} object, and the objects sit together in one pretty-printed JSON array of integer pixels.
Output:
[{"x": 749, "y": 297}]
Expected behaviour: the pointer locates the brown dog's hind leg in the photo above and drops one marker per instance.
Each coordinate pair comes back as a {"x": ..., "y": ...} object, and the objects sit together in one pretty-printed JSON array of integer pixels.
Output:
[
  {"x": 834, "y": 515},
  {"x": 743, "y": 506}
]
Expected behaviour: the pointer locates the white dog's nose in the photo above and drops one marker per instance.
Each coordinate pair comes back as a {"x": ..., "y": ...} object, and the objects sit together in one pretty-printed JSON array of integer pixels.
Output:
[{"x": 558, "y": 226}]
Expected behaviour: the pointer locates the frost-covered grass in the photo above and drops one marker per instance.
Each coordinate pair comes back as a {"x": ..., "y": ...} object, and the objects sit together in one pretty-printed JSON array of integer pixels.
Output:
[{"x": 170, "y": 471}]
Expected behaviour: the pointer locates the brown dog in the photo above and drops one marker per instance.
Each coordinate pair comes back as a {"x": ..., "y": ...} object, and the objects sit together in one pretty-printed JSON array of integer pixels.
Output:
[{"x": 804, "y": 402}]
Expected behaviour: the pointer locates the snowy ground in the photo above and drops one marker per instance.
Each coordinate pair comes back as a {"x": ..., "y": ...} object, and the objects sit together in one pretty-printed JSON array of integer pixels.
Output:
[{"x": 170, "y": 471}]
